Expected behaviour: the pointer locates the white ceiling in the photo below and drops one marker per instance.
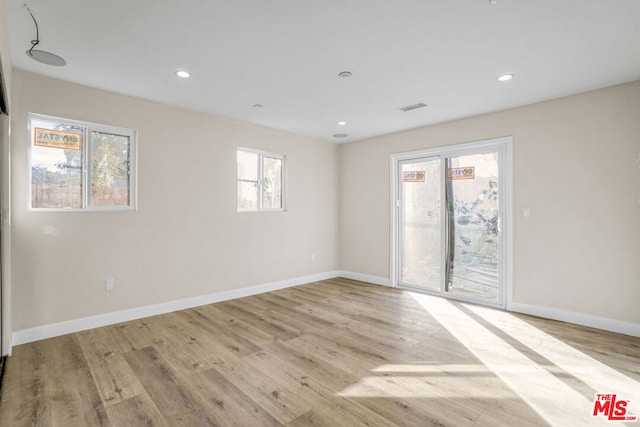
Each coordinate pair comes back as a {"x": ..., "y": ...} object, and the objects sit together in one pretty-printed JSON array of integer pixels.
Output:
[{"x": 286, "y": 55}]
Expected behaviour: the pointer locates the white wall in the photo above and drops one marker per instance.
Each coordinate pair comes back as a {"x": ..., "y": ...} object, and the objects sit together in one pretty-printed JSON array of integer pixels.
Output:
[
  {"x": 576, "y": 166},
  {"x": 5, "y": 185},
  {"x": 5, "y": 205},
  {"x": 575, "y": 162},
  {"x": 186, "y": 239}
]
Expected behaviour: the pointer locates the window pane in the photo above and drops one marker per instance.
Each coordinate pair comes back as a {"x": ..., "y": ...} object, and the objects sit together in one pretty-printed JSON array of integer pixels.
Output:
[
  {"x": 474, "y": 223},
  {"x": 109, "y": 169},
  {"x": 247, "y": 181},
  {"x": 247, "y": 196},
  {"x": 421, "y": 225},
  {"x": 247, "y": 166},
  {"x": 56, "y": 165},
  {"x": 272, "y": 183}
]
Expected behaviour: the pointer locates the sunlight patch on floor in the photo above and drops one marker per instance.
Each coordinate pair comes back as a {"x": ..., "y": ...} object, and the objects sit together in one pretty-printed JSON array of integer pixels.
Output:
[
  {"x": 430, "y": 368},
  {"x": 592, "y": 372},
  {"x": 444, "y": 387},
  {"x": 555, "y": 401},
  {"x": 504, "y": 372}
]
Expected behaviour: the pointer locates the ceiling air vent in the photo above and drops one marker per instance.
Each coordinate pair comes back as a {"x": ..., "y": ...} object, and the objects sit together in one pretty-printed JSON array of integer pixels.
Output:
[{"x": 413, "y": 107}]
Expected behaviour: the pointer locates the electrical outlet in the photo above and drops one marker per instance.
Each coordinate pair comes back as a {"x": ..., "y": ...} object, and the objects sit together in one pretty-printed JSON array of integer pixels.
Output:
[{"x": 109, "y": 285}]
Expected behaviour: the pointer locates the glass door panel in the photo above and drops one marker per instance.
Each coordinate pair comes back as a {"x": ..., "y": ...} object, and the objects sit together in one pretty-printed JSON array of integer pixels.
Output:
[
  {"x": 473, "y": 226},
  {"x": 448, "y": 219},
  {"x": 421, "y": 227}
]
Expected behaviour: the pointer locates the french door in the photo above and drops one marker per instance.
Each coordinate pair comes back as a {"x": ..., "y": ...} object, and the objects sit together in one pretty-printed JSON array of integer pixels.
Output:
[{"x": 449, "y": 221}]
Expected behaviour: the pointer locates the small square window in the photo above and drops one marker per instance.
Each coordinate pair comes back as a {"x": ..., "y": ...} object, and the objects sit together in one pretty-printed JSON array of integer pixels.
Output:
[{"x": 260, "y": 181}]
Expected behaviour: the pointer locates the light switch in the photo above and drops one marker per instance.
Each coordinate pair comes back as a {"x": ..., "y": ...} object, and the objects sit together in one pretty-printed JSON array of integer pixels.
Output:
[{"x": 526, "y": 212}]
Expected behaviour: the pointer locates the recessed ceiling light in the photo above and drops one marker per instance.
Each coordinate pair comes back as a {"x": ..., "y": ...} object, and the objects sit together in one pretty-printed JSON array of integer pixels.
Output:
[
  {"x": 345, "y": 74},
  {"x": 258, "y": 105},
  {"x": 340, "y": 135},
  {"x": 493, "y": 1},
  {"x": 183, "y": 74},
  {"x": 342, "y": 123},
  {"x": 505, "y": 77}
]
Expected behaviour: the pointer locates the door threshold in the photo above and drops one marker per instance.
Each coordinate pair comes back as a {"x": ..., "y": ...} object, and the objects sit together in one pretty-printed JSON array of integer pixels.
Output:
[{"x": 452, "y": 297}]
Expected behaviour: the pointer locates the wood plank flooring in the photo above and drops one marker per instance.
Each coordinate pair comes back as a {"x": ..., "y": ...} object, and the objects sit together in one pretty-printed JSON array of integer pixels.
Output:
[{"x": 331, "y": 353}]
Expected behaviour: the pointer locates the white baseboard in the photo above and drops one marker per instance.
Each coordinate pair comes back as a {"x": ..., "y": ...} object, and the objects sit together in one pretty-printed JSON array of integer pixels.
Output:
[
  {"x": 604, "y": 323},
  {"x": 62, "y": 328},
  {"x": 376, "y": 280}
]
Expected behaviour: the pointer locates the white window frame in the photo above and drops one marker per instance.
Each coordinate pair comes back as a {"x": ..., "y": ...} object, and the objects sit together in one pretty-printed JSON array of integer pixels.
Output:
[
  {"x": 261, "y": 154},
  {"x": 86, "y": 164}
]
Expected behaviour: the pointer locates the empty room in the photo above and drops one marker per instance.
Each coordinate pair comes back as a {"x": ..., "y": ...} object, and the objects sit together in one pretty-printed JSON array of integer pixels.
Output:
[{"x": 337, "y": 213}]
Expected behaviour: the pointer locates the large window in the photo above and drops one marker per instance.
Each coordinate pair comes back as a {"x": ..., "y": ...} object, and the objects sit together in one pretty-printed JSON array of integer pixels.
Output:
[
  {"x": 81, "y": 166},
  {"x": 260, "y": 181}
]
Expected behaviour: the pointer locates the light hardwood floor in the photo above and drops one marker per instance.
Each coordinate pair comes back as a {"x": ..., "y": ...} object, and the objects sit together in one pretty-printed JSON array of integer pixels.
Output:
[{"x": 332, "y": 353}]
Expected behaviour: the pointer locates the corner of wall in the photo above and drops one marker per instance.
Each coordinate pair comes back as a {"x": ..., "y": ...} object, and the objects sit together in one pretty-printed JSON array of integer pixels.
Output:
[
  {"x": 5, "y": 186},
  {"x": 5, "y": 235}
]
